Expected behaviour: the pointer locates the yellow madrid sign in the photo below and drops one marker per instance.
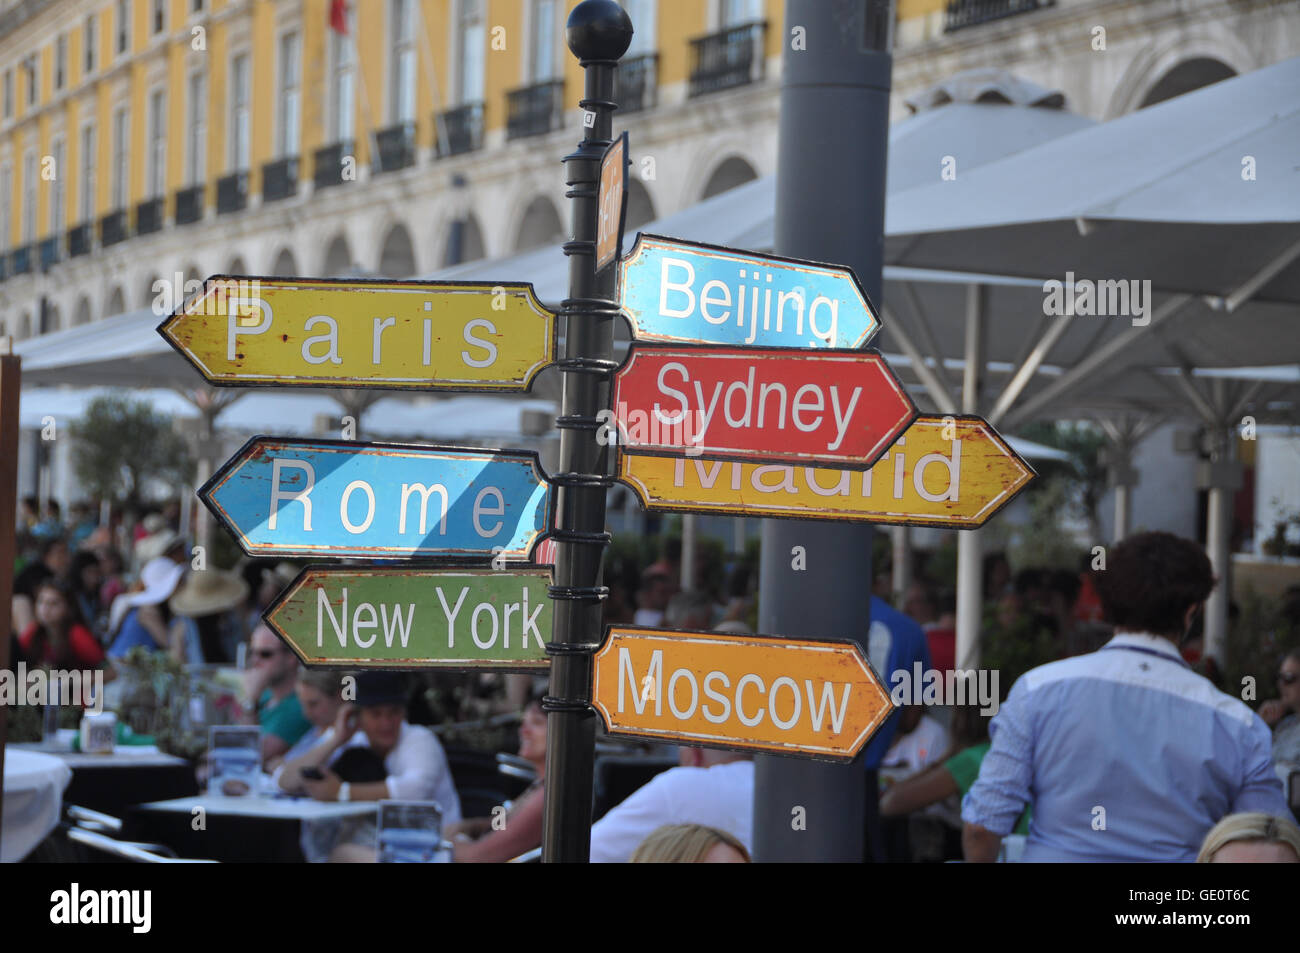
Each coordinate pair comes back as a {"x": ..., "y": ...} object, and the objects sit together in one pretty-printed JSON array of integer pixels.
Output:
[
  {"x": 463, "y": 336},
  {"x": 943, "y": 471}
]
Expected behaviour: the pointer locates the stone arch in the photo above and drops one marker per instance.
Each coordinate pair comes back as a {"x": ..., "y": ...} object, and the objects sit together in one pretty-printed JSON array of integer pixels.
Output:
[
  {"x": 82, "y": 314},
  {"x": 116, "y": 302},
  {"x": 192, "y": 280},
  {"x": 149, "y": 292},
  {"x": 236, "y": 266},
  {"x": 1209, "y": 41},
  {"x": 464, "y": 240},
  {"x": 1186, "y": 76},
  {"x": 25, "y": 326},
  {"x": 338, "y": 257},
  {"x": 51, "y": 320},
  {"x": 285, "y": 266},
  {"x": 728, "y": 174},
  {"x": 397, "y": 253},
  {"x": 640, "y": 207},
  {"x": 539, "y": 226}
]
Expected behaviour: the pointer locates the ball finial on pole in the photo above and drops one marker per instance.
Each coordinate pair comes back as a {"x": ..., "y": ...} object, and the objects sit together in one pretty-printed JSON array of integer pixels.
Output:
[{"x": 598, "y": 30}]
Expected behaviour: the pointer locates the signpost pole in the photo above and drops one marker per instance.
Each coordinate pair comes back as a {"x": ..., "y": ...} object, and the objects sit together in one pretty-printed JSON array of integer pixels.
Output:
[
  {"x": 598, "y": 33},
  {"x": 10, "y": 377},
  {"x": 815, "y": 579}
]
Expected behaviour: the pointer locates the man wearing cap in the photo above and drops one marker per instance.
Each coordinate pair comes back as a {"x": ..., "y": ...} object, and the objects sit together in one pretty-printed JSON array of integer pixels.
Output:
[
  {"x": 270, "y": 699},
  {"x": 416, "y": 764}
]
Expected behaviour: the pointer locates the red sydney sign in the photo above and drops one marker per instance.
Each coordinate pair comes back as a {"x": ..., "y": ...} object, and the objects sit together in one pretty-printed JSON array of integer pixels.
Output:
[{"x": 788, "y": 406}]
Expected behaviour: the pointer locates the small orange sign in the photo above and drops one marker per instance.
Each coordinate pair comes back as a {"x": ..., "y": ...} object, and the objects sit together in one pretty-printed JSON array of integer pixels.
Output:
[
  {"x": 818, "y": 699},
  {"x": 612, "y": 202}
]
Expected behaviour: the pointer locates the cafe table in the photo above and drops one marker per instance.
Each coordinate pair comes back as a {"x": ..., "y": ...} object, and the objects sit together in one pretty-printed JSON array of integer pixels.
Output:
[
  {"x": 255, "y": 829},
  {"x": 34, "y": 784},
  {"x": 114, "y": 782}
]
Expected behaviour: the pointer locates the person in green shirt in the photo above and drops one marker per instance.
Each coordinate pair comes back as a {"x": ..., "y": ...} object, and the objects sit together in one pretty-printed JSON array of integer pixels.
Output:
[
  {"x": 270, "y": 696},
  {"x": 964, "y": 768},
  {"x": 953, "y": 775}
]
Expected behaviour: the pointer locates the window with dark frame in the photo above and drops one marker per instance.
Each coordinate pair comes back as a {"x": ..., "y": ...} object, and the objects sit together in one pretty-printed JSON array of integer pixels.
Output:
[
  {"x": 239, "y": 114},
  {"x": 87, "y": 184},
  {"x": 290, "y": 105},
  {"x": 90, "y": 42},
  {"x": 33, "y": 86},
  {"x": 120, "y": 138},
  {"x": 29, "y": 197},
  {"x": 122, "y": 23},
  {"x": 60, "y": 62},
  {"x": 157, "y": 143},
  {"x": 58, "y": 196},
  {"x": 197, "y": 132},
  {"x": 6, "y": 204},
  {"x": 402, "y": 58}
]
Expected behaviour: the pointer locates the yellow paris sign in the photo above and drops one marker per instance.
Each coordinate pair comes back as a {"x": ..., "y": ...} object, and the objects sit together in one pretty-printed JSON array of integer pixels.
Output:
[
  {"x": 943, "y": 471},
  {"x": 464, "y": 336}
]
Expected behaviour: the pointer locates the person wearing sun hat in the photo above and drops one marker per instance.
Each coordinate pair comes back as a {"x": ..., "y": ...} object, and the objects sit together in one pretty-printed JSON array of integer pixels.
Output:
[
  {"x": 144, "y": 616},
  {"x": 203, "y": 606},
  {"x": 158, "y": 538}
]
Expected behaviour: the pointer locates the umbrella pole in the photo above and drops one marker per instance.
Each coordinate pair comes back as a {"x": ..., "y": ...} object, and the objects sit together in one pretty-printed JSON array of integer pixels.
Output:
[
  {"x": 687, "y": 580},
  {"x": 1122, "y": 502},
  {"x": 1223, "y": 479},
  {"x": 1216, "y": 542},
  {"x": 902, "y": 559},
  {"x": 970, "y": 549},
  {"x": 207, "y": 446},
  {"x": 10, "y": 377}
]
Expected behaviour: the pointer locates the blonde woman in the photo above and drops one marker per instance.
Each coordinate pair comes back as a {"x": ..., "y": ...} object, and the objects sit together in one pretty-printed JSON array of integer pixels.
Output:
[
  {"x": 1251, "y": 839},
  {"x": 690, "y": 844},
  {"x": 320, "y": 693}
]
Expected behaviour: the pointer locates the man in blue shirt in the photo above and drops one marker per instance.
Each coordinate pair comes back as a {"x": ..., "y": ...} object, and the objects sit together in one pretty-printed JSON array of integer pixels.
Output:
[
  {"x": 895, "y": 642},
  {"x": 1126, "y": 754}
]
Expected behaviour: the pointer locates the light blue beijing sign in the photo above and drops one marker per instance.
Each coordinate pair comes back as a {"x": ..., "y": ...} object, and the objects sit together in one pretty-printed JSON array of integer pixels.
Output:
[
  {"x": 701, "y": 294},
  {"x": 283, "y": 497}
]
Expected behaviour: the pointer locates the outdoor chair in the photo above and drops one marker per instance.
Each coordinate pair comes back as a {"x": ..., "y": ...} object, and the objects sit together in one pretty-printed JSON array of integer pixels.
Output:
[{"x": 91, "y": 829}]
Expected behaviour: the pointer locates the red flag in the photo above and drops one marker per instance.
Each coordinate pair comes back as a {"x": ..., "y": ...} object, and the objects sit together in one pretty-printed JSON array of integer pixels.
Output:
[{"x": 339, "y": 16}]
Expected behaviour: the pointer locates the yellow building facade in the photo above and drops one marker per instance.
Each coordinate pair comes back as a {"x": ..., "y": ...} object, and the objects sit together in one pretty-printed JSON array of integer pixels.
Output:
[
  {"x": 112, "y": 104},
  {"x": 140, "y": 138}
]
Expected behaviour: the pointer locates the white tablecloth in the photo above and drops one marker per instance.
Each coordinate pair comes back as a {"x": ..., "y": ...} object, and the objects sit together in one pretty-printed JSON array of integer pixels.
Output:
[{"x": 33, "y": 800}]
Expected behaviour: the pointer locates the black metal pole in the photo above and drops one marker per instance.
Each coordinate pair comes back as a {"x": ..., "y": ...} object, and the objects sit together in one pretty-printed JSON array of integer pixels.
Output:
[
  {"x": 815, "y": 578},
  {"x": 598, "y": 32}
]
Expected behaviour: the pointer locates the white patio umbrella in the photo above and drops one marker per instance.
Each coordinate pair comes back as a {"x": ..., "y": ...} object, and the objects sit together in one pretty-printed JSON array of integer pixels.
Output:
[{"x": 1199, "y": 195}]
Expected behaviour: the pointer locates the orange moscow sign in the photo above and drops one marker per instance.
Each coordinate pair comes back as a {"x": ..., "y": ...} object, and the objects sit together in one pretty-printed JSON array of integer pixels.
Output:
[
  {"x": 942, "y": 471},
  {"x": 814, "y": 698}
]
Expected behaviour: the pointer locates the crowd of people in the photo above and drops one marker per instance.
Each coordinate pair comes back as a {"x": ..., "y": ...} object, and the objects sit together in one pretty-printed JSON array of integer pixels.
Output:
[
  {"x": 85, "y": 594},
  {"x": 1106, "y": 744},
  {"x": 1103, "y": 682}
]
